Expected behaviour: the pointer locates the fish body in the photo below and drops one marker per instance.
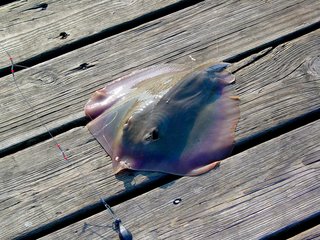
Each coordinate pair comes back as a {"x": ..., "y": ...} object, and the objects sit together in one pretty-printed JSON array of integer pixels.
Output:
[{"x": 166, "y": 118}]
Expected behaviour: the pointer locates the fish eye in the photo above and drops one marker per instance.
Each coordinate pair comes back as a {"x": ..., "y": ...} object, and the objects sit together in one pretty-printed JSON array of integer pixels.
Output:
[{"x": 153, "y": 135}]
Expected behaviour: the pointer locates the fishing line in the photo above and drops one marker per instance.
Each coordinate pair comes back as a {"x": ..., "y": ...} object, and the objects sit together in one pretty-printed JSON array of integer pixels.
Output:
[
  {"x": 28, "y": 103},
  {"x": 117, "y": 225},
  {"x": 12, "y": 71}
]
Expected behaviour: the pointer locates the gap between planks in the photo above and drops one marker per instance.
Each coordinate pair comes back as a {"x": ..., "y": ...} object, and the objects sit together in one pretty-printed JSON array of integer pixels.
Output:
[
  {"x": 82, "y": 23},
  {"x": 38, "y": 196},
  {"x": 204, "y": 31},
  {"x": 299, "y": 227},
  {"x": 251, "y": 194},
  {"x": 47, "y": 24},
  {"x": 312, "y": 233}
]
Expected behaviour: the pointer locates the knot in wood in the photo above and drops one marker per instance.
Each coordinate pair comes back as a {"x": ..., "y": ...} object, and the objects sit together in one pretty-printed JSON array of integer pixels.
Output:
[{"x": 313, "y": 66}]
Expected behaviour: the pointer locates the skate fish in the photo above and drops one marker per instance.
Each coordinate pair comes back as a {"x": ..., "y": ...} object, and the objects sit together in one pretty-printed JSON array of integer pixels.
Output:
[{"x": 166, "y": 118}]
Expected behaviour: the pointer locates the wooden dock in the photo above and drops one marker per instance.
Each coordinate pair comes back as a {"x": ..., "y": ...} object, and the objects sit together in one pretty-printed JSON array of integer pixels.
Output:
[{"x": 268, "y": 189}]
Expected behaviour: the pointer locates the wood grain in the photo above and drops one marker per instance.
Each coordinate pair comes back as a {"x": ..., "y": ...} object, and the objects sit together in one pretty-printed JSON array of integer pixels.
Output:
[
  {"x": 27, "y": 31},
  {"x": 205, "y": 31},
  {"x": 40, "y": 186},
  {"x": 251, "y": 194},
  {"x": 310, "y": 234}
]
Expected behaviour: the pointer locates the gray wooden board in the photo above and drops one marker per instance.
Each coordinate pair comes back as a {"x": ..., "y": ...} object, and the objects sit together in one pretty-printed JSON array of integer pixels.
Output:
[
  {"x": 250, "y": 195},
  {"x": 212, "y": 29},
  {"x": 310, "y": 234},
  {"x": 39, "y": 186},
  {"x": 28, "y": 32}
]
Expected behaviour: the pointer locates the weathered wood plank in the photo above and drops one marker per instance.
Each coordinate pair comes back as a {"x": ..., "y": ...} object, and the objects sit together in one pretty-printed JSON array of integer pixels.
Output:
[
  {"x": 251, "y": 194},
  {"x": 205, "y": 31},
  {"x": 39, "y": 186},
  {"x": 36, "y": 181},
  {"x": 27, "y": 31},
  {"x": 310, "y": 234}
]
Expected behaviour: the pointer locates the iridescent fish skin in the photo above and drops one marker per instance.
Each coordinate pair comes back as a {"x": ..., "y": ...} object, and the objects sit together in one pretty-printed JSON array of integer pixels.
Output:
[{"x": 167, "y": 119}]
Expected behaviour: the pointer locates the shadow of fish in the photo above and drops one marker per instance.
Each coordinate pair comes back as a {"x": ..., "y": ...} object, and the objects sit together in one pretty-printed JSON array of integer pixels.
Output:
[{"x": 166, "y": 118}]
